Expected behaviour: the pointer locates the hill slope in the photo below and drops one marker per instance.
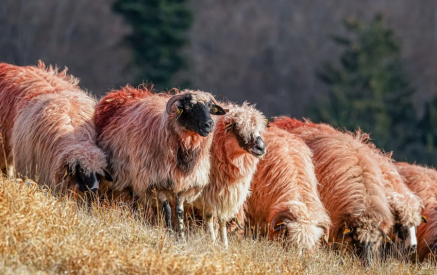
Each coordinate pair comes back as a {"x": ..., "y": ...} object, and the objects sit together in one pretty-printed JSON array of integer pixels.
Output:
[{"x": 44, "y": 234}]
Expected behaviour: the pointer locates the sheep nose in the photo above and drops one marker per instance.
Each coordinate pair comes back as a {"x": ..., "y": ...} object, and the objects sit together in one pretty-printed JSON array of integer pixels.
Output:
[
  {"x": 209, "y": 124},
  {"x": 259, "y": 148},
  {"x": 260, "y": 145},
  {"x": 413, "y": 248}
]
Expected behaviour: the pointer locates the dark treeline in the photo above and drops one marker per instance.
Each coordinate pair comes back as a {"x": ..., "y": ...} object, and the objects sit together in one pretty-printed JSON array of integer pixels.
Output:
[{"x": 370, "y": 64}]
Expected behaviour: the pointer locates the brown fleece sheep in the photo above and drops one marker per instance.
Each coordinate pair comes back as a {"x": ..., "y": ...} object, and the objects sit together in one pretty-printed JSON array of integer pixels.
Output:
[
  {"x": 351, "y": 185},
  {"x": 50, "y": 128},
  {"x": 236, "y": 149},
  {"x": 423, "y": 181},
  {"x": 284, "y": 192},
  {"x": 158, "y": 142},
  {"x": 17, "y": 82},
  {"x": 405, "y": 206}
]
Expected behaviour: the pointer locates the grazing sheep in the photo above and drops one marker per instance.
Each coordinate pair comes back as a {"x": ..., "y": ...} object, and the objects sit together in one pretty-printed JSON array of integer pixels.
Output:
[
  {"x": 351, "y": 185},
  {"x": 17, "y": 82},
  {"x": 236, "y": 149},
  {"x": 284, "y": 196},
  {"x": 158, "y": 142},
  {"x": 423, "y": 181},
  {"x": 405, "y": 206},
  {"x": 49, "y": 128}
]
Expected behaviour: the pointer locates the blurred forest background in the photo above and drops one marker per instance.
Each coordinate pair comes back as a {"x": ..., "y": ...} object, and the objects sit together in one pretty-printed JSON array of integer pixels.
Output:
[{"x": 370, "y": 64}]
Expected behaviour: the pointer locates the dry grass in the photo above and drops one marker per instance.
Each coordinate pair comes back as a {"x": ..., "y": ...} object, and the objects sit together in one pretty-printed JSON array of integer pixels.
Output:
[{"x": 43, "y": 234}]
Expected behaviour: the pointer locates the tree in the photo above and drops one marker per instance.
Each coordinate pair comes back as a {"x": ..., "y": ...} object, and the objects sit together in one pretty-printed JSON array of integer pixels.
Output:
[
  {"x": 158, "y": 35},
  {"x": 428, "y": 132},
  {"x": 370, "y": 89}
]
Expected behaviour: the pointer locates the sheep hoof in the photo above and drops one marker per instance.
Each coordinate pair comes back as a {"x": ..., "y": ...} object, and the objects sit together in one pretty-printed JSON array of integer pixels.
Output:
[{"x": 170, "y": 233}]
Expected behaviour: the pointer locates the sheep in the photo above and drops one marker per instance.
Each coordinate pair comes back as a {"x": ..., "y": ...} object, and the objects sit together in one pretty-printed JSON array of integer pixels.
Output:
[
  {"x": 17, "y": 82},
  {"x": 351, "y": 185},
  {"x": 284, "y": 196},
  {"x": 423, "y": 181},
  {"x": 158, "y": 142},
  {"x": 235, "y": 152},
  {"x": 49, "y": 128},
  {"x": 405, "y": 206}
]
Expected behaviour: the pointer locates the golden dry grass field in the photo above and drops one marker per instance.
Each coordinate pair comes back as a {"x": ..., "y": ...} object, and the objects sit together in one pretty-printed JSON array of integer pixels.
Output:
[{"x": 44, "y": 234}]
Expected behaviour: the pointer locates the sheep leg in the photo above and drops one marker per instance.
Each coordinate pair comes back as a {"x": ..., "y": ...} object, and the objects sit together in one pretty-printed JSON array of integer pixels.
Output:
[
  {"x": 367, "y": 255},
  {"x": 11, "y": 172},
  {"x": 223, "y": 232},
  {"x": 210, "y": 224},
  {"x": 167, "y": 213},
  {"x": 179, "y": 210},
  {"x": 166, "y": 209}
]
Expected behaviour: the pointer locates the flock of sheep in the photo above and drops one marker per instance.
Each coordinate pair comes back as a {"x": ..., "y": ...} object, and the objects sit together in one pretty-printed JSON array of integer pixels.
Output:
[{"x": 308, "y": 184}]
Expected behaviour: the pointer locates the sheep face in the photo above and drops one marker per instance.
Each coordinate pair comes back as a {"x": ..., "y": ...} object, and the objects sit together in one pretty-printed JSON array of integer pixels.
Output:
[
  {"x": 254, "y": 145},
  {"x": 85, "y": 181},
  {"x": 194, "y": 115},
  {"x": 362, "y": 241},
  {"x": 247, "y": 124},
  {"x": 406, "y": 236}
]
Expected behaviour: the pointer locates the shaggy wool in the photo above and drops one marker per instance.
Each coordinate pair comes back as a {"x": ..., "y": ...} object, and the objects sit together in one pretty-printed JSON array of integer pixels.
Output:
[
  {"x": 423, "y": 181},
  {"x": 284, "y": 190},
  {"x": 47, "y": 124},
  {"x": 351, "y": 184}
]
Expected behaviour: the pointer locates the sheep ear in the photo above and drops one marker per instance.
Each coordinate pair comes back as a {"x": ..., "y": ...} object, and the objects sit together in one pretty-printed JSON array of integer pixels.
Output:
[
  {"x": 217, "y": 110},
  {"x": 179, "y": 113},
  {"x": 347, "y": 231},
  {"x": 108, "y": 176},
  {"x": 424, "y": 220},
  {"x": 235, "y": 219},
  {"x": 385, "y": 237},
  {"x": 324, "y": 239},
  {"x": 268, "y": 123},
  {"x": 279, "y": 226},
  {"x": 228, "y": 127},
  {"x": 67, "y": 172}
]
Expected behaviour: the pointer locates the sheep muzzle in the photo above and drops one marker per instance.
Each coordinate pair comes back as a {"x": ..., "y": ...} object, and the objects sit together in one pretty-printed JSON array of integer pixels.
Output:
[{"x": 258, "y": 148}]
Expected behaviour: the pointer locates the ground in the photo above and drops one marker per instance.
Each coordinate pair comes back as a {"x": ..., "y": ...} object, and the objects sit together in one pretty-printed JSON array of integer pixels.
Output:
[{"x": 45, "y": 234}]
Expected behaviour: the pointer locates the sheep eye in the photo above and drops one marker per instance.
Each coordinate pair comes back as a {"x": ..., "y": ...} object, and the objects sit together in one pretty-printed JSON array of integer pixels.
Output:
[
  {"x": 215, "y": 110},
  {"x": 188, "y": 106}
]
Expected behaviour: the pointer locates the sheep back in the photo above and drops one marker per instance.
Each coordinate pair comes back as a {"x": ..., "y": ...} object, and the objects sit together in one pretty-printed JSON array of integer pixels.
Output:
[
  {"x": 52, "y": 131},
  {"x": 142, "y": 142},
  {"x": 351, "y": 185},
  {"x": 284, "y": 188},
  {"x": 18, "y": 82}
]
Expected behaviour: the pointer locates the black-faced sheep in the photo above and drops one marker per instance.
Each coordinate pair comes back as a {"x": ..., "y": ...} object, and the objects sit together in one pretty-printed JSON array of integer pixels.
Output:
[
  {"x": 48, "y": 125},
  {"x": 158, "y": 142}
]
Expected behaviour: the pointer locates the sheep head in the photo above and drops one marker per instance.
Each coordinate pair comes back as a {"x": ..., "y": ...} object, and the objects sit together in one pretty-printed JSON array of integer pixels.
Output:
[
  {"x": 192, "y": 110},
  {"x": 363, "y": 240},
  {"x": 85, "y": 181},
  {"x": 247, "y": 124}
]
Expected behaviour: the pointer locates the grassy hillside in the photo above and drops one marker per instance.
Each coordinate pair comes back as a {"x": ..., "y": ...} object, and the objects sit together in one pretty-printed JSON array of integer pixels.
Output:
[{"x": 43, "y": 234}]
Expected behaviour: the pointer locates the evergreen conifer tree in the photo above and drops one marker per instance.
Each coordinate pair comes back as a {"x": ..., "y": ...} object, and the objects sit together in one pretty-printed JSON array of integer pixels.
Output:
[
  {"x": 369, "y": 89},
  {"x": 158, "y": 35}
]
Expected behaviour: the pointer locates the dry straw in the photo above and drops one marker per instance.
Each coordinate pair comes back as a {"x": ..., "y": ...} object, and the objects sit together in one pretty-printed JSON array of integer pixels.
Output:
[{"x": 44, "y": 234}]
